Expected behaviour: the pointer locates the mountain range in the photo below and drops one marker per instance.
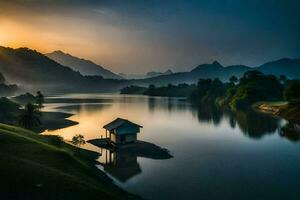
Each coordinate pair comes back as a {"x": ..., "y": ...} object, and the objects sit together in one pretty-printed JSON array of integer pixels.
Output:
[
  {"x": 213, "y": 70},
  {"x": 288, "y": 67},
  {"x": 285, "y": 66},
  {"x": 147, "y": 75},
  {"x": 34, "y": 71},
  {"x": 85, "y": 67}
]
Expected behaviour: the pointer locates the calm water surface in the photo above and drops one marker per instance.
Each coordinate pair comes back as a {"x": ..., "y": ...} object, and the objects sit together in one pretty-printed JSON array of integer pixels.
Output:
[{"x": 217, "y": 154}]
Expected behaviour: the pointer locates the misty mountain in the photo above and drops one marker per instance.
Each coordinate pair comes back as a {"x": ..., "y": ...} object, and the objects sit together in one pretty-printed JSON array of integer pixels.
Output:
[
  {"x": 35, "y": 71},
  {"x": 147, "y": 75},
  {"x": 213, "y": 70},
  {"x": 153, "y": 74},
  {"x": 285, "y": 66},
  {"x": 85, "y": 67}
]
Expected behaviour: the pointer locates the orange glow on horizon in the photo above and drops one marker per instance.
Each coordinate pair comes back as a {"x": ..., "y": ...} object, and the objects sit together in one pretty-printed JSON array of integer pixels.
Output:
[
  {"x": 110, "y": 46},
  {"x": 45, "y": 37},
  {"x": 15, "y": 35}
]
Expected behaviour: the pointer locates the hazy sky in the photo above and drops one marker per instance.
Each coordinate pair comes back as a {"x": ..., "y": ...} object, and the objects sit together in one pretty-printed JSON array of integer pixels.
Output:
[{"x": 136, "y": 36}]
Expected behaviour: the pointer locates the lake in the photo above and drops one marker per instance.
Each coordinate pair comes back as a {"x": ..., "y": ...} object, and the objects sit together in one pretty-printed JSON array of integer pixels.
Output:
[{"x": 217, "y": 154}]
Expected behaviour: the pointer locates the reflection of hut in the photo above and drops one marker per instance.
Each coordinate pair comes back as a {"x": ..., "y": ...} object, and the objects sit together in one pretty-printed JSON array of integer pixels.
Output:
[
  {"x": 122, "y": 131},
  {"x": 121, "y": 165}
]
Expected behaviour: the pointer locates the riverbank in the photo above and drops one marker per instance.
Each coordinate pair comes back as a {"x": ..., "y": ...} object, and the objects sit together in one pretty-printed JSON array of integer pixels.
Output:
[
  {"x": 33, "y": 166},
  {"x": 281, "y": 109}
]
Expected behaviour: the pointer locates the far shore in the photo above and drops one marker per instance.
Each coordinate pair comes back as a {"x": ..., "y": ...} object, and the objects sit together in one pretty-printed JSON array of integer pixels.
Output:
[{"x": 281, "y": 109}]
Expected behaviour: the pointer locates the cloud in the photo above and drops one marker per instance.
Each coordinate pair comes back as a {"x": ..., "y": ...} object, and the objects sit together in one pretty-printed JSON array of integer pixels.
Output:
[{"x": 127, "y": 35}]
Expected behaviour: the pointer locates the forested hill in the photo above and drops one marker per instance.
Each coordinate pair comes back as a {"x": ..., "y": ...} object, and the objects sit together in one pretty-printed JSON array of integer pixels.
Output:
[
  {"x": 34, "y": 70},
  {"x": 285, "y": 66},
  {"x": 213, "y": 70},
  {"x": 288, "y": 67}
]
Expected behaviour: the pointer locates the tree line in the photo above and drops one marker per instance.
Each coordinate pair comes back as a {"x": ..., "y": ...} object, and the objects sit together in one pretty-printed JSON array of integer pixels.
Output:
[{"x": 252, "y": 87}]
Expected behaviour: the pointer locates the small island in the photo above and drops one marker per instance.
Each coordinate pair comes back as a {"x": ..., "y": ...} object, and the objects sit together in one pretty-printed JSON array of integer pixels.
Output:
[{"x": 121, "y": 136}]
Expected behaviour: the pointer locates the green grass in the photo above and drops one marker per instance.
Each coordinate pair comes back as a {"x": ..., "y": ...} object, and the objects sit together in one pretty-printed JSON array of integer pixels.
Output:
[{"x": 38, "y": 167}]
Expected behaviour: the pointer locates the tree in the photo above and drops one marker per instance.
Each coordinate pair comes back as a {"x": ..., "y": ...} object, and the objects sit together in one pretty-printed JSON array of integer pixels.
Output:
[
  {"x": 254, "y": 87},
  {"x": 233, "y": 79},
  {"x": 30, "y": 117},
  {"x": 78, "y": 140},
  {"x": 39, "y": 99},
  {"x": 292, "y": 92}
]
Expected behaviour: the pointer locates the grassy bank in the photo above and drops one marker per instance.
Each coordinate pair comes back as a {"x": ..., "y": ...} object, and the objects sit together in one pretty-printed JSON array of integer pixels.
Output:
[
  {"x": 43, "y": 167},
  {"x": 282, "y": 109}
]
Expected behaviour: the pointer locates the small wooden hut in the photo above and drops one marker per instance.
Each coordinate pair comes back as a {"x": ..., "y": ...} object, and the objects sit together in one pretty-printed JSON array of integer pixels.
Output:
[{"x": 122, "y": 131}]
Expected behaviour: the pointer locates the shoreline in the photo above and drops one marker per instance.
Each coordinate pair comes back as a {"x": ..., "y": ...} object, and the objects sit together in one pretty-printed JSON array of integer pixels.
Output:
[
  {"x": 55, "y": 120},
  {"x": 280, "y": 109}
]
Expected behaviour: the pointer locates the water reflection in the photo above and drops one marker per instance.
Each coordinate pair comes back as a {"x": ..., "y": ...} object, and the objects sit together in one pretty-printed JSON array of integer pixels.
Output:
[
  {"x": 84, "y": 107},
  {"x": 209, "y": 113},
  {"x": 121, "y": 162},
  {"x": 291, "y": 131},
  {"x": 256, "y": 125},
  {"x": 212, "y": 148},
  {"x": 253, "y": 124},
  {"x": 120, "y": 165},
  {"x": 167, "y": 104}
]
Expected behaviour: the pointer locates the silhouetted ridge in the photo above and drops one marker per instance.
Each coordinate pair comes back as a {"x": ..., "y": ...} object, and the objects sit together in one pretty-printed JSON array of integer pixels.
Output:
[
  {"x": 214, "y": 66},
  {"x": 285, "y": 66},
  {"x": 85, "y": 67},
  {"x": 34, "y": 70}
]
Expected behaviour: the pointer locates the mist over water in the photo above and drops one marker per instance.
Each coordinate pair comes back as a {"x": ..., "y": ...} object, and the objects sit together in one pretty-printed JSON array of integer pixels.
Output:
[{"x": 218, "y": 154}]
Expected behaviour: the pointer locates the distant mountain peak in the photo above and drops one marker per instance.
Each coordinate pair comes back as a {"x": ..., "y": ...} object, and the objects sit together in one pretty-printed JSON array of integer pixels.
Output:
[
  {"x": 169, "y": 71},
  {"x": 153, "y": 74},
  {"x": 58, "y": 51},
  {"x": 216, "y": 63},
  {"x": 85, "y": 67},
  {"x": 213, "y": 66}
]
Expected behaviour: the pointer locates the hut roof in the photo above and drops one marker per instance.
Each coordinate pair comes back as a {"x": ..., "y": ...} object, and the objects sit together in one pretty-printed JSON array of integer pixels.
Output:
[{"x": 118, "y": 123}]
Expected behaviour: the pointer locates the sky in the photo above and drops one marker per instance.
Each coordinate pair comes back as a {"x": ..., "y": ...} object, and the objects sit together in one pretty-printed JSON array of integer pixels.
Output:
[{"x": 138, "y": 36}]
